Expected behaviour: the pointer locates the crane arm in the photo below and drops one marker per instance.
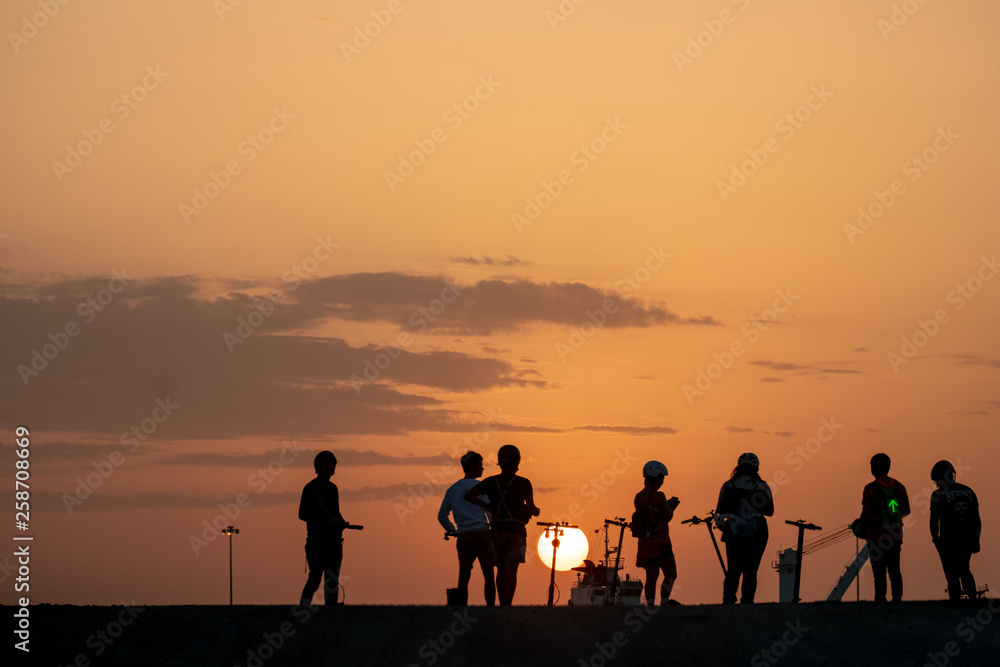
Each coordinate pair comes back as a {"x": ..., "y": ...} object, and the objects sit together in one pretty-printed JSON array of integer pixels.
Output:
[{"x": 847, "y": 578}]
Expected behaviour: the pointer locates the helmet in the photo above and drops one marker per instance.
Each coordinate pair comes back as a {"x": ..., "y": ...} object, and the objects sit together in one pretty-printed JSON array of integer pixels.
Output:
[
  {"x": 654, "y": 469},
  {"x": 508, "y": 454},
  {"x": 941, "y": 470},
  {"x": 748, "y": 458}
]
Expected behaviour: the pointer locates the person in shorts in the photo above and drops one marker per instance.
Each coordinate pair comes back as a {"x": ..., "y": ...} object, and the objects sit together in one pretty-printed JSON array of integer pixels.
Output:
[
  {"x": 650, "y": 523},
  {"x": 510, "y": 500},
  {"x": 471, "y": 530}
]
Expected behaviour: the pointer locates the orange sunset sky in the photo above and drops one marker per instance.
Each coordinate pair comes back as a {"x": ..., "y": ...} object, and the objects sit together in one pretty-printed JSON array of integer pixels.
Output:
[{"x": 605, "y": 233}]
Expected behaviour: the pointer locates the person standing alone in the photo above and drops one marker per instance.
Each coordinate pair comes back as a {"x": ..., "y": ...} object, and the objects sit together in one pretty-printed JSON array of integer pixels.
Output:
[{"x": 320, "y": 509}]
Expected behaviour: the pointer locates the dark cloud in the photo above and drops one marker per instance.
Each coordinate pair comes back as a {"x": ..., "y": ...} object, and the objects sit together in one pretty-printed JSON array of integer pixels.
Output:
[
  {"x": 345, "y": 457},
  {"x": 57, "y": 453},
  {"x": 739, "y": 429},
  {"x": 784, "y": 434},
  {"x": 970, "y": 413},
  {"x": 208, "y": 503},
  {"x": 771, "y": 379},
  {"x": 241, "y": 363},
  {"x": 159, "y": 340},
  {"x": 418, "y": 303},
  {"x": 157, "y": 500}
]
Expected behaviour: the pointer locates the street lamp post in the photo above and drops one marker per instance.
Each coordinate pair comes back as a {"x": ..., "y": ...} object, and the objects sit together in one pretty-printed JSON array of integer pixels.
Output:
[{"x": 230, "y": 531}]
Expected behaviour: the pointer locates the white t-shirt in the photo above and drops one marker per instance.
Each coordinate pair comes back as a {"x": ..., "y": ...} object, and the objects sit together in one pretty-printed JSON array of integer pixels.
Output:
[{"x": 468, "y": 516}]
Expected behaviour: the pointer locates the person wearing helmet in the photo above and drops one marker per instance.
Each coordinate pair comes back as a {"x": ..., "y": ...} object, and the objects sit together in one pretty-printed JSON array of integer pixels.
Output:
[
  {"x": 650, "y": 524},
  {"x": 510, "y": 500},
  {"x": 884, "y": 504},
  {"x": 319, "y": 507},
  {"x": 955, "y": 529},
  {"x": 471, "y": 531},
  {"x": 744, "y": 501}
]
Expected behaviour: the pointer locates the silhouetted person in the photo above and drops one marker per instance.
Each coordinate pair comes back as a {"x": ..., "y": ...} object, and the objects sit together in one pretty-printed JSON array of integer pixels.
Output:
[
  {"x": 650, "y": 524},
  {"x": 744, "y": 501},
  {"x": 320, "y": 509},
  {"x": 955, "y": 529},
  {"x": 511, "y": 504},
  {"x": 471, "y": 530},
  {"x": 884, "y": 503}
]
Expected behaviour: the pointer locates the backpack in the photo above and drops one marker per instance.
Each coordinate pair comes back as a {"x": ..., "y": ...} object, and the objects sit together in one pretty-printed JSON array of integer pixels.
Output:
[
  {"x": 743, "y": 526},
  {"x": 891, "y": 513},
  {"x": 640, "y": 522}
]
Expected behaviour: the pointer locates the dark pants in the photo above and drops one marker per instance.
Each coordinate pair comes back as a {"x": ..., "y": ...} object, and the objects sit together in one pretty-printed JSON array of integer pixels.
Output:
[
  {"x": 884, "y": 555},
  {"x": 471, "y": 546},
  {"x": 324, "y": 563},
  {"x": 955, "y": 561},
  {"x": 742, "y": 560}
]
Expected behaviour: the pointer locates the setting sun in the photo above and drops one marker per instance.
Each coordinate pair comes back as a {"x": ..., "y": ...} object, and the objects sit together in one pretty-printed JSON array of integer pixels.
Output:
[{"x": 573, "y": 549}]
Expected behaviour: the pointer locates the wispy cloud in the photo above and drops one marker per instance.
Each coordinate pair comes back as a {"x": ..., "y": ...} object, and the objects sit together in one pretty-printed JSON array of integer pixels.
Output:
[
  {"x": 509, "y": 260},
  {"x": 973, "y": 360},
  {"x": 629, "y": 430},
  {"x": 801, "y": 369}
]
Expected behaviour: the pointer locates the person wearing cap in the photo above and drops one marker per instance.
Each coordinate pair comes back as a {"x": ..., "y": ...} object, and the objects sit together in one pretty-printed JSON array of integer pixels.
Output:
[
  {"x": 510, "y": 501},
  {"x": 744, "y": 500},
  {"x": 650, "y": 523},
  {"x": 955, "y": 529},
  {"x": 884, "y": 504},
  {"x": 471, "y": 530},
  {"x": 319, "y": 507}
]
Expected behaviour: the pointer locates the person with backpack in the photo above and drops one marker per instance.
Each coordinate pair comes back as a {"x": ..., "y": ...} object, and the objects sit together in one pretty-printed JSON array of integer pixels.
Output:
[
  {"x": 471, "y": 531},
  {"x": 955, "y": 529},
  {"x": 884, "y": 503},
  {"x": 650, "y": 524},
  {"x": 744, "y": 501},
  {"x": 511, "y": 502},
  {"x": 319, "y": 507}
]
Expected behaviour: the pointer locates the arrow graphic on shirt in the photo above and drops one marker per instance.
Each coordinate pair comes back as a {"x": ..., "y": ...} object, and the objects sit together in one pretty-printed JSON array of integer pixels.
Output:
[{"x": 893, "y": 504}]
